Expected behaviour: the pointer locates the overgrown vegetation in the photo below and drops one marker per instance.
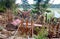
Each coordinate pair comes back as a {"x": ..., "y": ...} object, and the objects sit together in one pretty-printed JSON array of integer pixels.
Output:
[{"x": 42, "y": 34}]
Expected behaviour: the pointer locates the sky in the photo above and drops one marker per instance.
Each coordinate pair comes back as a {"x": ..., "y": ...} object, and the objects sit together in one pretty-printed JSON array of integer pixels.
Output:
[
  {"x": 55, "y": 1},
  {"x": 31, "y": 1}
]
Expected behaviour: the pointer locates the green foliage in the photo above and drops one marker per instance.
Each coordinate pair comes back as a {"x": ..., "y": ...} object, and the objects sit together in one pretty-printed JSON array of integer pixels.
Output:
[
  {"x": 34, "y": 11},
  {"x": 42, "y": 34},
  {"x": 2, "y": 9},
  {"x": 2, "y": 6},
  {"x": 36, "y": 29},
  {"x": 41, "y": 6},
  {"x": 15, "y": 11},
  {"x": 7, "y": 4},
  {"x": 48, "y": 11}
]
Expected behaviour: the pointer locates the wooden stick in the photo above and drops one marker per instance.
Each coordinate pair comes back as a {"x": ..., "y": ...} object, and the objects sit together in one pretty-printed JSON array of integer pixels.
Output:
[{"x": 32, "y": 27}]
